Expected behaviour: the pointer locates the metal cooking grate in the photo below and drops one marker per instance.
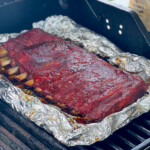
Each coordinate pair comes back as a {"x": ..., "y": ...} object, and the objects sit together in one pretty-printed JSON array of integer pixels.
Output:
[{"x": 18, "y": 133}]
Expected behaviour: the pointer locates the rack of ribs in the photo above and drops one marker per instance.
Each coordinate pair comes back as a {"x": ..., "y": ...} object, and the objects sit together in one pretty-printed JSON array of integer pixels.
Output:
[{"x": 69, "y": 75}]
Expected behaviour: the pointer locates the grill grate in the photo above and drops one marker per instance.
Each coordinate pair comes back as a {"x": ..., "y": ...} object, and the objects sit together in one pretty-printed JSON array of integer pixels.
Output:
[
  {"x": 10, "y": 139},
  {"x": 18, "y": 133}
]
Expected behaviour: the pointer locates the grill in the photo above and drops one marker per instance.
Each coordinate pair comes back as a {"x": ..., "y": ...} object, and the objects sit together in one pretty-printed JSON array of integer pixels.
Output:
[{"x": 17, "y": 132}]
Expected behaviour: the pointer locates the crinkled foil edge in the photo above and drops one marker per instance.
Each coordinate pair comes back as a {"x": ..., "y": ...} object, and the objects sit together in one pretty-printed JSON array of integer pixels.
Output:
[{"x": 51, "y": 118}]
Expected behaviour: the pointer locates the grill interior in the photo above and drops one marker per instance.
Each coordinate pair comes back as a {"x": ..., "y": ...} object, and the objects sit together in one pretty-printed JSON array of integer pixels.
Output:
[{"x": 17, "y": 132}]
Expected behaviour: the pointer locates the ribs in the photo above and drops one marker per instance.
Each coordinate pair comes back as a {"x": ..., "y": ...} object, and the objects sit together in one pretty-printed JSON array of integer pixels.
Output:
[{"x": 67, "y": 74}]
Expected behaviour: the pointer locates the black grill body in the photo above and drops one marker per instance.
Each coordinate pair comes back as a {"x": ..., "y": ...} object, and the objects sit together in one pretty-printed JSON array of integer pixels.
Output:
[{"x": 17, "y": 132}]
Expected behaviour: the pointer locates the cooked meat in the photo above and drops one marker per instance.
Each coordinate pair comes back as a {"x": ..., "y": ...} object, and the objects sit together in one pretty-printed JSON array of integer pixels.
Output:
[{"x": 68, "y": 74}]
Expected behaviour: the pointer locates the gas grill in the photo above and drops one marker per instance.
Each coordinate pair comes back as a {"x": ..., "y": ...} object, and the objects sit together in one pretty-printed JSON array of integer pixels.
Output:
[{"x": 17, "y": 132}]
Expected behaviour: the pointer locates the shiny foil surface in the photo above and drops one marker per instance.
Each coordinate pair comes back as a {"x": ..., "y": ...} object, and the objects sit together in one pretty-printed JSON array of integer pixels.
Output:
[{"x": 60, "y": 124}]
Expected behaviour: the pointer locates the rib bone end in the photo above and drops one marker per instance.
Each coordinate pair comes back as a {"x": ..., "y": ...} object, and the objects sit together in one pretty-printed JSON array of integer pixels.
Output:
[
  {"x": 49, "y": 97},
  {"x": 29, "y": 83},
  {"x": 75, "y": 112},
  {"x": 39, "y": 90},
  {"x": 21, "y": 76},
  {"x": 3, "y": 52},
  {"x": 61, "y": 105},
  {"x": 6, "y": 62},
  {"x": 13, "y": 71}
]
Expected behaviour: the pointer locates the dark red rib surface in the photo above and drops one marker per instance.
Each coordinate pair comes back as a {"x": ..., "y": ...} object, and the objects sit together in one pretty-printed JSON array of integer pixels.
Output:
[{"x": 73, "y": 76}]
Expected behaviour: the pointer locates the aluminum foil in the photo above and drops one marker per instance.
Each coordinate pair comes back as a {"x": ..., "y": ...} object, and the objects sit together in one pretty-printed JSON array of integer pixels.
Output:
[
  {"x": 60, "y": 124},
  {"x": 66, "y": 28}
]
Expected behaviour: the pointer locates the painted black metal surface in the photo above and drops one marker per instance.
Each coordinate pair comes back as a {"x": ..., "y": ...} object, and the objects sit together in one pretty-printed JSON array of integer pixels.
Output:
[{"x": 120, "y": 25}]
